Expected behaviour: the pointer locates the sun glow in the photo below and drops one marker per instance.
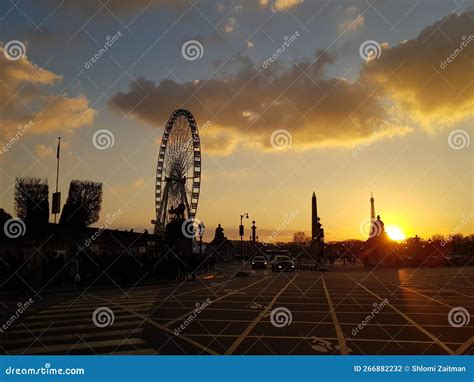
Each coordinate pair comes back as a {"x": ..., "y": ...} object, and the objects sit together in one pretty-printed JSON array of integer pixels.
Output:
[{"x": 395, "y": 233}]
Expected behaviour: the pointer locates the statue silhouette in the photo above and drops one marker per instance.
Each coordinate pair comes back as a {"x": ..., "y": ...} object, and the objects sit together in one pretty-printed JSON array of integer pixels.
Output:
[
  {"x": 178, "y": 212},
  {"x": 219, "y": 235}
]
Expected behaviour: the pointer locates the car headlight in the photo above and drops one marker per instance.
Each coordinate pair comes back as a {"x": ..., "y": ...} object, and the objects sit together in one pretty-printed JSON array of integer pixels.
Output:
[
  {"x": 265, "y": 263},
  {"x": 279, "y": 266},
  {"x": 253, "y": 262}
]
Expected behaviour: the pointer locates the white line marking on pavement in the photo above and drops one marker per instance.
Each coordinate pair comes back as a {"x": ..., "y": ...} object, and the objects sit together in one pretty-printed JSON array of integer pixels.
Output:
[
  {"x": 263, "y": 313},
  {"x": 340, "y": 334},
  {"x": 411, "y": 321},
  {"x": 236, "y": 291}
]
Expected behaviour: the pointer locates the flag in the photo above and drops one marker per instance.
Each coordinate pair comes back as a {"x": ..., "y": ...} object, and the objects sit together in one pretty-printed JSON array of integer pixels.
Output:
[{"x": 59, "y": 146}]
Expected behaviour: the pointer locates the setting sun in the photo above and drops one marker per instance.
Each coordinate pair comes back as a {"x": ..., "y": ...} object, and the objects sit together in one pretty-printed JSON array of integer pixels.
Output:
[{"x": 395, "y": 233}]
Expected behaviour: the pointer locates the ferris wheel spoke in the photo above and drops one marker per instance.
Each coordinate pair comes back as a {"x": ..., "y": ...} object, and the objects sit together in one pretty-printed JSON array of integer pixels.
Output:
[{"x": 178, "y": 167}]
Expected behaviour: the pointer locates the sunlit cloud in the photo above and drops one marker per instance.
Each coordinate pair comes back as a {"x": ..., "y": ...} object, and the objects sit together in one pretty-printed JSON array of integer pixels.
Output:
[
  {"x": 351, "y": 25},
  {"x": 403, "y": 87},
  {"x": 412, "y": 74},
  {"x": 249, "y": 106},
  {"x": 26, "y": 95},
  {"x": 44, "y": 151},
  {"x": 49, "y": 151},
  {"x": 281, "y": 5},
  {"x": 230, "y": 25}
]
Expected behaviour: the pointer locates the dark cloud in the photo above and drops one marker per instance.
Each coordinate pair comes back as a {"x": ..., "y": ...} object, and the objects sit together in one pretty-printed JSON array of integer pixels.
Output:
[
  {"x": 405, "y": 84},
  {"x": 252, "y": 104},
  {"x": 116, "y": 6},
  {"x": 417, "y": 75}
]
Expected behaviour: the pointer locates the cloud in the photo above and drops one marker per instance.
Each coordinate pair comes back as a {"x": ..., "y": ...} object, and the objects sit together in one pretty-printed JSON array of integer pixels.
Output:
[
  {"x": 117, "y": 6},
  {"x": 114, "y": 8},
  {"x": 411, "y": 74},
  {"x": 403, "y": 87},
  {"x": 281, "y": 5},
  {"x": 249, "y": 106},
  {"x": 230, "y": 25},
  {"x": 44, "y": 151},
  {"x": 351, "y": 25},
  {"x": 25, "y": 95},
  {"x": 49, "y": 151}
]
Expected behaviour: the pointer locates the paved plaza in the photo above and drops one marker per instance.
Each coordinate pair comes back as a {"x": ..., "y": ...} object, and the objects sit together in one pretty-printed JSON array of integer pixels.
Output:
[{"x": 348, "y": 310}]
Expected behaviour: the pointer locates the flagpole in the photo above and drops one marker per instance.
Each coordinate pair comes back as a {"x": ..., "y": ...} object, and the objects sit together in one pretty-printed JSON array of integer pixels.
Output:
[{"x": 57, "y": 171}]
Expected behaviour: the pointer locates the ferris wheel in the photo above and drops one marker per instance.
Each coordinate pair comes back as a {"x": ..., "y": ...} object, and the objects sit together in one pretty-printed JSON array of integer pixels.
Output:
[{"x": 178, "y": 173}]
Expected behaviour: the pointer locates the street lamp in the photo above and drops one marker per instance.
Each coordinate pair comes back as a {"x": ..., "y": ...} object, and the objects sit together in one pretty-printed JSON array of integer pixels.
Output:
[
  {"x": 254, "y": 229},
  {"x": 241, "y": 233}
]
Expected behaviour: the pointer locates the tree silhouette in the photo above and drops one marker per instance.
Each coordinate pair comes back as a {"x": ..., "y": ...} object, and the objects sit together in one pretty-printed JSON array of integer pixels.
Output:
[
  {"x": 32, "y": 201},
  {"x": 83, "y": 204},
  {"x": 300, "y": 237}
]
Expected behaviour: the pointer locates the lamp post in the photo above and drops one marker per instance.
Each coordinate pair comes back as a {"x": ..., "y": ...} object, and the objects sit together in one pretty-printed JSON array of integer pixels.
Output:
[
  {"x": 254, "y": 229},
  {"x": 241, "y": 233},
  {"x": 431, "y": 253}
]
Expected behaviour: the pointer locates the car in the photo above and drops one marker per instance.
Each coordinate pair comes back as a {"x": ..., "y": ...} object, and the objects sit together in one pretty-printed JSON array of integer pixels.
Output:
[
  {"x": 259, "y": 262},
  {"x": 271, "y": 253},
  {"x": 282, "y": 263}
]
